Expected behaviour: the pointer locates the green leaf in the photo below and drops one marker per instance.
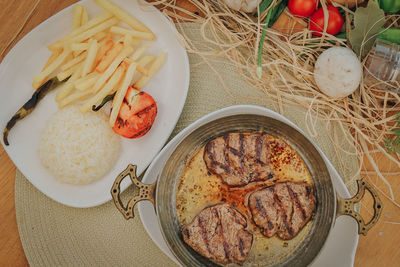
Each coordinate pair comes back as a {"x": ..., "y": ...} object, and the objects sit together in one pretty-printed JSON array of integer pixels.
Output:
[
  {"x": 396, "y": 132},
  {"x": 277, "y": 11},
  {"x": 367, "y": 24},
  {"x": 264, "y": 5},
  {"x": 393, "y": 144}
]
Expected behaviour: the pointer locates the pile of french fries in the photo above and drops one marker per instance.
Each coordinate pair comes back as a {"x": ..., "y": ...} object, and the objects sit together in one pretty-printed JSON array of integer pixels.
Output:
[{"x": 99, "y": 58}]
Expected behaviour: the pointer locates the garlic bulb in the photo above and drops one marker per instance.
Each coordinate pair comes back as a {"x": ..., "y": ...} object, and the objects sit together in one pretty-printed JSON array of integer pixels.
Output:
[
  {"x": 243, "y": 5},
  {"x": 338, "y": 72}
]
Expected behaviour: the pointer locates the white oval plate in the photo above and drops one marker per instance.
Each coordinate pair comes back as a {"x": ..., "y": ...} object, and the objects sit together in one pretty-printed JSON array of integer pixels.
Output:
[
  {"x": 341, "y": 244},
  {"x": 168, "y": 87}
]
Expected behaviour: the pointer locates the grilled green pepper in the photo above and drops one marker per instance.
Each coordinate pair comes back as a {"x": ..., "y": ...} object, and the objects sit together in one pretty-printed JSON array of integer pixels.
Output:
[
  {"x": 28, "y": 107},
  {"x": 391, "y": 34},
  {"x": 390, "y": 6},
  {"x": 105, "y": 100}
]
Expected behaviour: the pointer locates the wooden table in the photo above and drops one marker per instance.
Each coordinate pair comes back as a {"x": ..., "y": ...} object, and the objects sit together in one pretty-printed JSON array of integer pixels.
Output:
[{"x": 379, "y": 248}]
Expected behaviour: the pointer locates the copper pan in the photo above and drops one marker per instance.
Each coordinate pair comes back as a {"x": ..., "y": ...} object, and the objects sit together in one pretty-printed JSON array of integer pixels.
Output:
[{"x": 329, "y": 204}]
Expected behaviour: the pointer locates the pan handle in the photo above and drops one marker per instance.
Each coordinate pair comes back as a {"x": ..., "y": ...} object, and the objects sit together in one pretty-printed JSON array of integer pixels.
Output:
[
  {"x": 146, "y": 192},
  {"x": 346, "y": 206}
]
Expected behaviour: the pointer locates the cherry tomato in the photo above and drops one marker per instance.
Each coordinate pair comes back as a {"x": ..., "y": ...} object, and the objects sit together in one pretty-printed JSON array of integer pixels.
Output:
[
  {"x": 302, "y": 8},
  {"x": 136, "y": 115},
  {"x": 335, "y": 21}
]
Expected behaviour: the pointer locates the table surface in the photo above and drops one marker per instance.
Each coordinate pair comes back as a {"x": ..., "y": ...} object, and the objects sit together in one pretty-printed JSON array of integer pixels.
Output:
[{"x": 379, "y": 248}]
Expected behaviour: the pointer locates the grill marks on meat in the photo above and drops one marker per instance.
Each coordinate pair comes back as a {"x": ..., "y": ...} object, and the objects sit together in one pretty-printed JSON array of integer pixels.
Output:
[
  {"x": 239, "y": 158},
  {"x": 282, "y": 209},
  {"x": 218, "y": 233}
]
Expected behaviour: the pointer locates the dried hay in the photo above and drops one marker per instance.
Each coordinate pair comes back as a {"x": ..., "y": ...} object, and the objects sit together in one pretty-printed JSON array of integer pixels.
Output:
[{"x": 287, "y": 76}]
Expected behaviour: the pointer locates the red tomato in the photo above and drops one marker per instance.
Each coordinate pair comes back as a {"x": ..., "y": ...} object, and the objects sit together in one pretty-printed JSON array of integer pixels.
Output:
[
  {"x": 136, "y": 115},
  {"x": 302, "y": 8},
  {"x": 335, "y": 21}
]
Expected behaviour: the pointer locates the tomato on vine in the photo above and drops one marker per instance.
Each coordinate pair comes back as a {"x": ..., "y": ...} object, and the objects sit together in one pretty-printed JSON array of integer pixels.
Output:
[
  {"x": 302, "y": 8},
  {"x": 335, "y": 21}
]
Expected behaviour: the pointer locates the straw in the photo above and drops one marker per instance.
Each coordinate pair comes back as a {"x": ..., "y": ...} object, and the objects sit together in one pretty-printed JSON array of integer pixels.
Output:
[{"x": 287, "y": 76}]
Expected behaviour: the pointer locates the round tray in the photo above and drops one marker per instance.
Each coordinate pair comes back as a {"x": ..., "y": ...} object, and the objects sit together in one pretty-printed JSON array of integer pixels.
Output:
[{"x": 340, "y": 247}]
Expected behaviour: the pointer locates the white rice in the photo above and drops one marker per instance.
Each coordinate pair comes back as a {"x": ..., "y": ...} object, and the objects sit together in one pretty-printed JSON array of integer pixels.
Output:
[{"x": 78, "y": 148}]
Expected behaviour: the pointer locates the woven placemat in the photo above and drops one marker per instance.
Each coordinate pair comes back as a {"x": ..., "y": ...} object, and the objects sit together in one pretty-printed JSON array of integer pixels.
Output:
[{"x": 53, "y": 234}]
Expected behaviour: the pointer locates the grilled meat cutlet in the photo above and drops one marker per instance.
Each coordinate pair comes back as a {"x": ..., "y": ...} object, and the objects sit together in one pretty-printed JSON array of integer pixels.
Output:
[
  {"x": 282, "y": 209},
  {"x": 239, "y": 158},
  {"x": 218, "y": 233}
]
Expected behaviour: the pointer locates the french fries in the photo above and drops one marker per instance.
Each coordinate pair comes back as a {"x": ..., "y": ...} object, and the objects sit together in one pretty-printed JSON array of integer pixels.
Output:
[
  {"x": 145, "y": 60},
  {"x": 109, "y": 56},
  {"x": 53, "y": 56},
  {"x": 90, "y": 24},
  {"x": 65, "y": 74},
  {"x": 87, "y": 82},
  {"x": 141, "y": 67},
  {"x": 123, "y": 15},
  {"x": 107, "y": 88},
  {"x": 79, "y": 47},
  {"x": 133, "y": 33},
  {"x": 42, "y": 77},
  {"x": 99, "y": 57},
  {"x": 106, "y": 45},
  {"x": 84, "y": 16},
  {"x": 155, "y": 66},
  {"x": 91, "y": 56},
  {"x": 121, "y": 91},
  {"x": 138, "y": 53},
  {"x": 74, "y": 61},
  {"x": 89, "y": 33},
  {"x": 130, "y": 41},
  {"x": 68, "y": 87},
  {"x": 110, "y": 70},
  {"x": 100, "y": 36},
  {"x": 76, "y": 20},
  {"x": 77, "y": 95}
]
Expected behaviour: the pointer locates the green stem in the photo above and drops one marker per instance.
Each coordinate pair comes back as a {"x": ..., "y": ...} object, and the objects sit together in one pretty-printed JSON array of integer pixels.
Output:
[
  {"x": 259, "y": 68},
  {"x": 341, "y": 35},
  {"x": 389, "y": 34},
  {"x": 277, "y": 11},
  {"x": 264, "y": 5}
]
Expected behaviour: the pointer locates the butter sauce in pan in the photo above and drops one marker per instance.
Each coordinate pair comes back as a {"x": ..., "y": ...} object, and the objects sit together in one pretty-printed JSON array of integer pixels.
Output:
[{"x": 200, "y": 188}]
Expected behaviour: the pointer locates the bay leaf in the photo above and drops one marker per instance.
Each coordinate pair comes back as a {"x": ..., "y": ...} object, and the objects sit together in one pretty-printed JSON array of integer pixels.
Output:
[{"x": 368, "y": 22}]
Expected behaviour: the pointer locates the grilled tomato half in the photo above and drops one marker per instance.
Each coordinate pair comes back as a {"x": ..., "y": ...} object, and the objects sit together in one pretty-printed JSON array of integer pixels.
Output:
[{"x": 136, "y": 115}]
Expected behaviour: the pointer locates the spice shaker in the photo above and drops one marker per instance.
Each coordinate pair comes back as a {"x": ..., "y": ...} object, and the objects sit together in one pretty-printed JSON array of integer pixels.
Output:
[{"x": 384, "y": 63}]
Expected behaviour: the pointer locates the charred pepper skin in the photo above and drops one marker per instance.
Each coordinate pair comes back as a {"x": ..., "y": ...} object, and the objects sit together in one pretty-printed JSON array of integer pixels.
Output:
[
  {"x": 28, "y": 107},
  {"x": 105, "y": 100}
]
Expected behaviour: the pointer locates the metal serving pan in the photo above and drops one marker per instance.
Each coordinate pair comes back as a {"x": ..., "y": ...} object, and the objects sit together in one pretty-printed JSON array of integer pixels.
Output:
[{"x": 329, "y": 205}]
